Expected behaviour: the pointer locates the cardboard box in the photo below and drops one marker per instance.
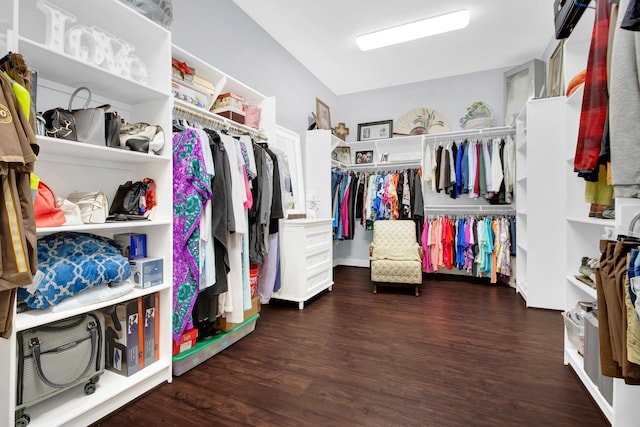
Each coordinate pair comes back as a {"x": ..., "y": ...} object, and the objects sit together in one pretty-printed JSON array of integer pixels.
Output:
[
  {"x": 151, "y": 321},
  {"x": 146, "y": 272},
  {"x": 228, "y": 100},
  {"x": 231, "y": 114},
  {"x": 124, "y": 335},
  {"x": 225, "y": 326},
  {"x": 187, "y": 341},
  {"x": 132, "y": 245}
]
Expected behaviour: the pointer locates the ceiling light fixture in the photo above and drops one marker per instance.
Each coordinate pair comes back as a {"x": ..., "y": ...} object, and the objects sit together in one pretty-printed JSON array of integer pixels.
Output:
[{"x": 414, "y": 30}]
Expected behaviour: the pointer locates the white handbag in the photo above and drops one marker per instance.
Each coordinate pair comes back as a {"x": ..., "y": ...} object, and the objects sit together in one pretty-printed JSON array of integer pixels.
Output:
[{"x": 94, "y": 207}]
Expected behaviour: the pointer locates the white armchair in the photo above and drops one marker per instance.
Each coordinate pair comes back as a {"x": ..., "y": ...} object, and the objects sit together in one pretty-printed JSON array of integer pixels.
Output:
[{"x": 395, "y": 256}]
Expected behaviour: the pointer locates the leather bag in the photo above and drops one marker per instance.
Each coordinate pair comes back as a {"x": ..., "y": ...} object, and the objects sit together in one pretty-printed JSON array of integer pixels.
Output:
[
  {"x": 82, "y": 125},
  {"x": 94, "y": 206}
]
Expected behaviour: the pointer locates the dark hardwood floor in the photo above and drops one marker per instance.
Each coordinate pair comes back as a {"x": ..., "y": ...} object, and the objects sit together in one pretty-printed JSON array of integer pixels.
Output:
[{"x": 461, "y": 354}]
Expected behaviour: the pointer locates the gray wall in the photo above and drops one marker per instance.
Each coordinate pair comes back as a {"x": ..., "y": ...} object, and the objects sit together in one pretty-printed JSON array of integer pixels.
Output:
[{"x": 221, "y": 34}]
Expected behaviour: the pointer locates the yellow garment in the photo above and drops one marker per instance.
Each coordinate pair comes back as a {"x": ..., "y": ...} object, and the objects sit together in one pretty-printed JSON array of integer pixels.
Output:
[
  {"x": 599, "y": 192},
  {"x": 22, "y": 95}
]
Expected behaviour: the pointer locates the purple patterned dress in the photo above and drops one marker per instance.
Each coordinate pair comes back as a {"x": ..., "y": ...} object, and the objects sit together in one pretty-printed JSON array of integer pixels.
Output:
[{"x": 191, "y": 191}]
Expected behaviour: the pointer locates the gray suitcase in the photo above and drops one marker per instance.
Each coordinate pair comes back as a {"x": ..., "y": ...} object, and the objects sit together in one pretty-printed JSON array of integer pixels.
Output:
[{"x": 55, "y": 357}]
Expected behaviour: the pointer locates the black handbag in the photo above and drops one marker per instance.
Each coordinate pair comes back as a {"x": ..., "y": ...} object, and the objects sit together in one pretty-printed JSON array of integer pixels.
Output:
[
  {"x": 112, "y": 125},
  {"x": 82, "y": 125},
  {"x": 127, "y": 198}
]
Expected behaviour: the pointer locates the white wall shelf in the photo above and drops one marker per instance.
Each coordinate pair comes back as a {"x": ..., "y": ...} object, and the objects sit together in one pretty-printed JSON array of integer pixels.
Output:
[
  {"x": 68, "y": 166},
  {"x": 588, "y": 290}
]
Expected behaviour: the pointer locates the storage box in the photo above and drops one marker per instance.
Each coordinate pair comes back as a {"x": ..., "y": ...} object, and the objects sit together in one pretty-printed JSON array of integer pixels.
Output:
[
  {"x": 146, "y": 272},
  {"x": 187, "y": 341},
  {"x": 231, "y": 114},
  {"x": 592, "y": 358},
  {"x": 225, "y": 326},
  {"x": 132, "y": 245},
  {"x": 151, "y": 318},
  {"x": 124, "y": 335},
  {"x": 204, "y": 84},
  {"x": 187, "y": 92},
  {"x": 575, "y": 332},
  {"x": 228, "y": 100}
]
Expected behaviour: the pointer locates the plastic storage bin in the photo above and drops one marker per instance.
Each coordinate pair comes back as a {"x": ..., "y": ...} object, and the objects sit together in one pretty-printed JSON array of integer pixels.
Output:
[{"x": 575, "y": 332}]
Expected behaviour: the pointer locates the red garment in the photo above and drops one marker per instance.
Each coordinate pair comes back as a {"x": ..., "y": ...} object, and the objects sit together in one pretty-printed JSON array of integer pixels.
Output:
[{"x": 595, "y": 99}]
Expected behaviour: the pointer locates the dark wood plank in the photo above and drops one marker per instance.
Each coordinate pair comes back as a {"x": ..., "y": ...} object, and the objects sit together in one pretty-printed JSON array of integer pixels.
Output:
[{"x": 462, "y": 354}]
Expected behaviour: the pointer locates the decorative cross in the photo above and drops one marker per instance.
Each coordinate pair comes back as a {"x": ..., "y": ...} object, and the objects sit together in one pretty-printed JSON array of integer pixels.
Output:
[{"x": 342, "y": 131}]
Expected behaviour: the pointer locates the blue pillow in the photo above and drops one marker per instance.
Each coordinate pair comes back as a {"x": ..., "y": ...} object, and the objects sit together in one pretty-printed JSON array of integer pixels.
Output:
[{"x": 70, "y": 262}]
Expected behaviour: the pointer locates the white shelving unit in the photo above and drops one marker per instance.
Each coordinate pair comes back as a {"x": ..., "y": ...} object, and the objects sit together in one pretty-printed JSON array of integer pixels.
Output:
[
  {"x": 266, "y": 131},
  {"x": 584, "y": 233},
  {"x": 540, "y": 129},
  {"x": 69, "y": 166}
]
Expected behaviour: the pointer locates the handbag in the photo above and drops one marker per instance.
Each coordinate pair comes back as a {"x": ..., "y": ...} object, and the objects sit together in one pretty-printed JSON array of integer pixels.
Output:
[
  {"x": 55, "y": 357},
  {"x": 82, "y": 125},
  {"x": 46, "y": 210},
  {"x": 142, "y": 137},
  {"x": 128, "y": 198},
  {"x": 112, "y": 125},
  {"x": 93, "y": 206}
]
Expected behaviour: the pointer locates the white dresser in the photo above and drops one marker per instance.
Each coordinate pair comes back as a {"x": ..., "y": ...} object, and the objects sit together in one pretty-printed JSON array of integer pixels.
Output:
[{"x": 306, "y": 259}]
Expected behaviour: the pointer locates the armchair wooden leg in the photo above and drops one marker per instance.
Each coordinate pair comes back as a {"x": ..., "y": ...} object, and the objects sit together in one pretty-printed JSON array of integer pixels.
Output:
[{"x": 375, "y": 288}]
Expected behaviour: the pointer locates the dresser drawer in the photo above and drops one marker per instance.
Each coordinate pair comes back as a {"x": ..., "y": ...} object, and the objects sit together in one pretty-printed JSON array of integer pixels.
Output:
[
  {"x": 320, "y": 278},
  {"x": 317, "y": 236},
  {"x": 318, "y": 257}
]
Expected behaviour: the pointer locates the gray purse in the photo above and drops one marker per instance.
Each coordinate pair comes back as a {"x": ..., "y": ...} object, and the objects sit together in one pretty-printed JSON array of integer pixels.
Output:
[{"x": 90, "y": 122}]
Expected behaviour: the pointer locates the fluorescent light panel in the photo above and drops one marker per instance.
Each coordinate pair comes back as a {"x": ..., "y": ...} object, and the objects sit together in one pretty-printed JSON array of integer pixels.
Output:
[{"x": 414, "y": 30}]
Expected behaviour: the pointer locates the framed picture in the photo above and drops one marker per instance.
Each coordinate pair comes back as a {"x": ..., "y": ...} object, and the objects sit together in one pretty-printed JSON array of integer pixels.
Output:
[
  {"x": 521, "y": 84},
  {"x": 343, "y": 155},
  {"x": 375, "y": 130},
  {"x": 384, "y": 157},
  {"x": 555, "y": 76},
  {"x": 323, "y": 115},
  {"x": 363, "y": 157}
]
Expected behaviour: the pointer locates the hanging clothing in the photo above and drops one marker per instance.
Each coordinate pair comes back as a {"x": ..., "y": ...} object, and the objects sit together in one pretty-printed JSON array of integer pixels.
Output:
[
  {"x": 595, "y": 99},
  {"x": 191, "y": 191}
]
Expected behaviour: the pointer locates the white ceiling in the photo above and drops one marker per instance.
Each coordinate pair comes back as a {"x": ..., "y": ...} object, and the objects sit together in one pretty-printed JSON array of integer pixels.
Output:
[{"x": 321, "y": 35}]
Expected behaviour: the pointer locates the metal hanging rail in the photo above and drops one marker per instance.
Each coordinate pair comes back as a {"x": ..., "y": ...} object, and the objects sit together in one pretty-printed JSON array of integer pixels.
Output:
[
  {"x": 472, "y": 133},
  {"x": 187, "y": 111},
  {"x": 470, "y": 209}
]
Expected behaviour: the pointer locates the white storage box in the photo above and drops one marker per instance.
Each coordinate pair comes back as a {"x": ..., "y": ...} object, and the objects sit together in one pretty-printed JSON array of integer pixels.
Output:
[
  {"x": 146, "y": 272},
  {"x": 575, "y": 332}
]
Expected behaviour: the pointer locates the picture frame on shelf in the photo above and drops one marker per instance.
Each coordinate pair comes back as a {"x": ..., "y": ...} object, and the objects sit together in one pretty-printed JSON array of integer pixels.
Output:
[
  {"x": 375, "y": 130},
  {"x": 323, "y": 115},
  {"x": 555, "y": 76},
  {"x": 521, "y": 84},
  {"x": 343, "y": 155},
  {"x": 384, "y": 158},
  {"x": 364, "y": 157}
]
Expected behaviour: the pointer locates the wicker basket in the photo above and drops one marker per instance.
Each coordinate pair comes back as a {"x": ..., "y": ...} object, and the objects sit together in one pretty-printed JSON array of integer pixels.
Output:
[{"x": 482, "y": 119}]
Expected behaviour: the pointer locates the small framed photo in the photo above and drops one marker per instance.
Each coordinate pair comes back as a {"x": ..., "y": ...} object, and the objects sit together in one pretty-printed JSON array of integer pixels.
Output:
[
  {"x": 364, "y": 157},
  {"x": 555, "y": 79},
  {"x": 343, "y": 155},
  {"x": 384, "y": 157},
  {"x": 375, "y": 130},
  {"x": 323, "y": 115},
  {"x": 521, "y": 84}
]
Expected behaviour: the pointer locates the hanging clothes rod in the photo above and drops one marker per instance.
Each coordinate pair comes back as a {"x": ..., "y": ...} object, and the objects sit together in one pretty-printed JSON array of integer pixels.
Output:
[
  {"x": 472, "y": 133},
  {"x": 385, "y": 165},
  {"x": 188, "y": 112},
  {"x": 470, "y": 209}
]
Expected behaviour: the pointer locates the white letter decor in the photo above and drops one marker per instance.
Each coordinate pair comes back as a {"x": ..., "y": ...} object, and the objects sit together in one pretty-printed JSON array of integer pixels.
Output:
[{"x": 91, "y": 45}]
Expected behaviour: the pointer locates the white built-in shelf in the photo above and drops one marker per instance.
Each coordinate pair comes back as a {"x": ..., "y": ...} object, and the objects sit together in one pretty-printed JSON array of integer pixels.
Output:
[
  {"x": 582, "y": 286},
  {"x": 202, "y": 114},
  {"x": 602, "y": 222},
  {"x": 55, "y": 149},
  {"x": 111, "y": 226},
  {"x": 386, "y": 165},
  {"x": 522, "y": 180},
  {"x": 575, "y": 99},
  {"x": 522, "y": 246},
  {"x": 522, "y": 212},
  {"x": 32, "y": 318},
  {"x": 338, "y": 164},
  {"x": 522, "y": 144},
  {"x": 577, "y": 363},
  {"x": 72, "y": 405}
]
